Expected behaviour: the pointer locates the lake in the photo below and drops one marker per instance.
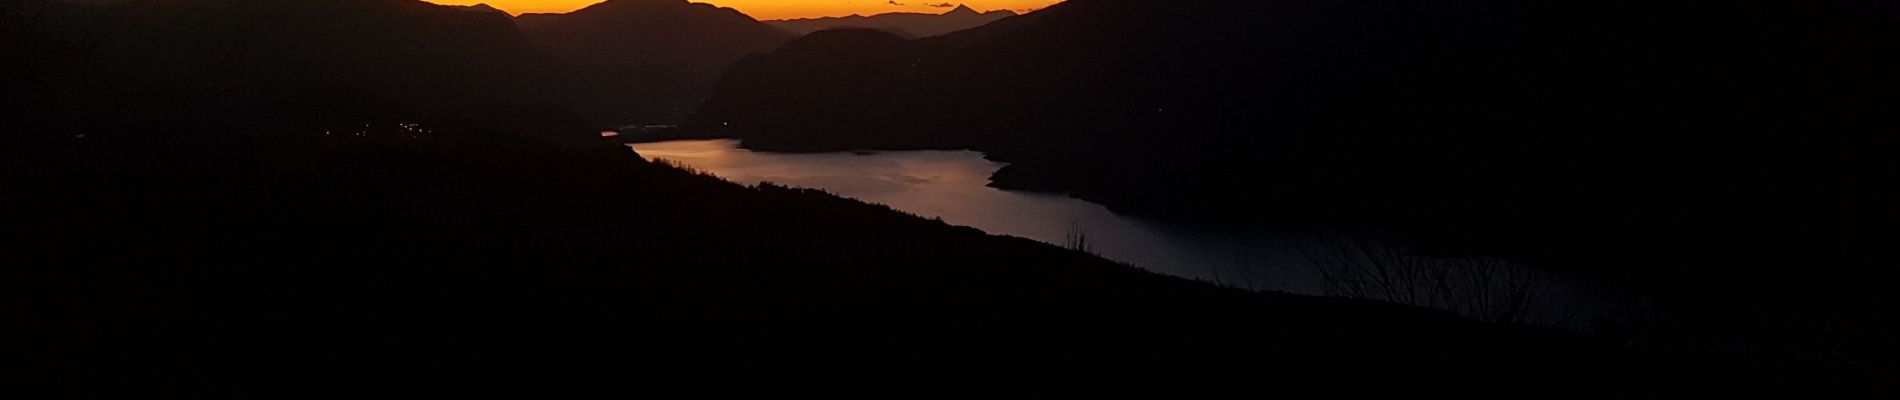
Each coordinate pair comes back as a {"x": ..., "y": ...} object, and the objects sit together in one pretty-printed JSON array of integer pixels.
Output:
[{"x": 953, "y": 186}]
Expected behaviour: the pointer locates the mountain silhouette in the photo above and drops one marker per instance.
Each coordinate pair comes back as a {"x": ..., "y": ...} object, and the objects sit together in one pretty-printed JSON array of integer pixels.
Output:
[
  {"x": 908, "y": 25},
  {"x": 648, "y": 61},
  {"x": 1130, "y": 113},
  {"x": 858, "y": 95},
  {"x": 483, "y": 7}
]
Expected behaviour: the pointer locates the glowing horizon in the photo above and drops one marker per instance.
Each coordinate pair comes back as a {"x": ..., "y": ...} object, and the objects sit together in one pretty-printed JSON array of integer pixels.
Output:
[{"x": 781, "y": 9}]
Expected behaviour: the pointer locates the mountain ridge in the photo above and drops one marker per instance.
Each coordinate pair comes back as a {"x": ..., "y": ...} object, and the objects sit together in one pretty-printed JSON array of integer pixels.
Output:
[
  {"x": 905, "y": 24},
  {"x": 648, "y": 61}
]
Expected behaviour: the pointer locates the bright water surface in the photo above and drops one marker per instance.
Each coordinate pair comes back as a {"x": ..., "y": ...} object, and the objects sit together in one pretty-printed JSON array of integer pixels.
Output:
[{"x": 953, "y": 185}]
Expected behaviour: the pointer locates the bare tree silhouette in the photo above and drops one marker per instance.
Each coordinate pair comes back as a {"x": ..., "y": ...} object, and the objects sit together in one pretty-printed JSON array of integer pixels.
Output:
[
  {"x": 1077, "y": 238},
  {"x": 1372, "y": 266}
]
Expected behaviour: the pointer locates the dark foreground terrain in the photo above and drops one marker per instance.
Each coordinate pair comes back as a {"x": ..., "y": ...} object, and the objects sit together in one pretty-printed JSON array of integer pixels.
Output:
[{"x": 479, "y": 267}]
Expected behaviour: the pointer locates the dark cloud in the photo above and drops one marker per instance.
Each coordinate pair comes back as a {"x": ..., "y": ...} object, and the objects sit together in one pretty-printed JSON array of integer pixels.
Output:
[
  {"x": 895, "y": 3},
  {"x": 942, "y": 5}
]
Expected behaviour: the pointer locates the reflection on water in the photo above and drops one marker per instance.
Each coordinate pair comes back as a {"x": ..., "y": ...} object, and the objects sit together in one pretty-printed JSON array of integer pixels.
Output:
[{"x": 953, "y": 185}]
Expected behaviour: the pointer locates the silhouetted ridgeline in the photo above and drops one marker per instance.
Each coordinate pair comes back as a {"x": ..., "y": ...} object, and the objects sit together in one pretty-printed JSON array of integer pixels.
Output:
[
  {"x": 615, "y": 63},
  {"x": 908, "y": 25},
  {"x": 296, "y": 219},
  {"x": 1713, "y": 152},
  {"x": 648, "y": 61},
  {"x": 481, "y": 7}
]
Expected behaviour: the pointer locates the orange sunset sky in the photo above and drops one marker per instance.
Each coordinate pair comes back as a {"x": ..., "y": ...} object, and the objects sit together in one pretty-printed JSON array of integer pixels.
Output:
[{"x": 782, "y": 9}]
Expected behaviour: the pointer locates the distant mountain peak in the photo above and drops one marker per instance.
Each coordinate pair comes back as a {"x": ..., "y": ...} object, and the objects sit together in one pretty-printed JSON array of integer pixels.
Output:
[
  {"x": 484, "y": 7},
  {"x": 632, "y": 5},
  {"x": 963, "y": 10},
  {"x": 905, "y": 24},
  {"x": 624, "y": 2}
]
